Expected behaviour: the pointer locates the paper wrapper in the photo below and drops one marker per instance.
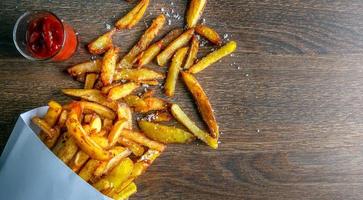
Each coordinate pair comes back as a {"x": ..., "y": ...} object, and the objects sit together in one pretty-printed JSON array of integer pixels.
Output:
[{"x": 30, "y": 171}]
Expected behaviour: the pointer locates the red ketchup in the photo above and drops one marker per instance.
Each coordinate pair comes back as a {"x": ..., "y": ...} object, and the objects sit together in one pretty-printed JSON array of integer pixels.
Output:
[{"x": 47, "y": 37}]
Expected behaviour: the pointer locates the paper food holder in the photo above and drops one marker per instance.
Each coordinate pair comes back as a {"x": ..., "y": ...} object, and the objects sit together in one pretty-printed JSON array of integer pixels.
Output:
[{"x": 30, "y": 171}]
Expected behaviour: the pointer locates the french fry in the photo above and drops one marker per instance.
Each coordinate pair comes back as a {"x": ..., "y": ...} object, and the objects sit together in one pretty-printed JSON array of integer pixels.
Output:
[
  {"x": 95, "y": 124},
  {"x": 44, "y": 126},
  {"x": 51, "y": 117},
  {"x": 189, "y": 124},
  {"x": 193, "y": 52},
  {"x": 87, "y": 170},
  {"x": 209, "y": 34},
  {"x": 134, "y": 16},
  {"x": 153, "y": 103},
  {"x": 124, "y": 112},
  {"x": 101, "y": 110},
  {"x": 116, "y": 131},
  {"x": 142, "y": 74},
  {"x": 141, "y": 139},
  {"x": 123, "y": 90},
  {"x": 213, "y": 57},
  {"x": 88, "y": 117},
  {"x": 136, "y": 149},
  {"x": 165, "y": 134},
  {"x": 91, "y": 95},
  {"x": 62, "y": 119},
  {"x": 105, "y": 90},
  {"x": 150, "y": 53},
  {"x": 109, "y": 65},
  {"x": 107, "y": 124},
  {"x": 204, "y": 106},
  {"x": 102, "y": 43},
  {"x": 195, "y": 10},
  {"x": 100, "y": 140},
  {"x": 69, "y": 149},
  {"x": 84, "y": 141},
  {"x": 78, "y": 161},
  {"x": 161, "y": 116},
  {"x": 92, "y": 66},
  {"x": 173, "y": 72},
  {"x": 60, "y": 142},
  {"x": 90, "y": 80},
  {"x": 179, "y": 42},
  {"x": 126, "y": 193},
  {"x": 143, "y": 43}
]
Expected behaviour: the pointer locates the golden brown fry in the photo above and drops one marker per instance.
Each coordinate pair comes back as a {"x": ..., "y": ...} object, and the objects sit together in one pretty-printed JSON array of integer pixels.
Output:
[
  {"x": 126, "y": 193},
  {"x": 107, "y": 124},
  {"x": 179, "y": 42},
  {"x": 90, "y": 80},
  {"x": 95, "y": 124},
  {"x": 44, "y": 126},
  {"x": 124, "y": 112},
  {"x": 141, "y": 139},
  {"x": 143, "y": 43},
  {"x": 173, "y": 71},
  {"x": 123, "y": 90},
  {"x": 78, "y": 161},
  {"x": 107, "y": 88},
  {"x": 165, "y": 134},
  {"x": 195, "y": 10},
  {"x": 213, "y": 57},
  {"x": 100, "y": 140},
  {"x": 136, "y": 149},
  {"x": 116, "y": 131},
  {"x": 60, "y": 142},
  {"x": 204, "y": 106},
  {"x": 101, "y": 110},
  {"x": 102, "y": 43},
  {"x": 193, "y": 52},
  {"x": 51, "y": 117},
  {"x": 135, "y": 102},
  {"x": 68, "y": 150},
  {"x": 150, "y": 53},
  {"x": 87, "y": 170},
  {"x": 87, "y": 118},
  {"x": 83, "y": 140},
  {"x": 153, "y": 103},
  {"x": 62, "y": 118},
  {"x": 209, "y": 33},
  {"x": 91, "y": 95},
  {"x": 134, "y": 16},
  {"x": 161, "y": 116},
  {"x": 92, "y": 66},
  {"x": 109, "y": 65},
  {"x": 142, "y": 74},
  {"x": 188, "y": 123}
]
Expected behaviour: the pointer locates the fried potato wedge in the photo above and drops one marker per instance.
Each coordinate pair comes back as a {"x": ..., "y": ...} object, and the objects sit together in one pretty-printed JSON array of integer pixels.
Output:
[
  {"x": 135, "y": 102},
  {"x": 69, "y": 149},
  {"x": 62, "y": 118},
  {"x": 91, "y": 95},
  {"x": 179, "y": 42},
  {"x": 51, "y": 117},
  {"x": 174, "y": 70},
  {"x": 90, "y": 80},
  {"x": 100, "y": 140},
  {"x": 209, "y": 33},
  {"x": 194, "y": 12},
  {"x": 150, "y": 53},
  {"x": 60, "y": 142},
  {"x": 143, "y": 43},
  {"x": 136, "y": 149},
  {"x": 202, "y": 101},
  {"x": 141, "y": 139},
  {"x": 109, "y": 65},
  {"x": 179, "y": 114},
  {"x": 106, "y": 89},
  {"x": 44, "y": 126},
  {"x": 153, "y": 103},
  {"x": 126, "y": 193},
  {"x": 101, "y": 110},
  {"x": 102, "y": 43},
  {"x": 120, "y": 91},
  {"x": 92, "y": 66},
  {"x": 193, "y": 52},
  {"x": 116, "y": 131},
  {"x": 213, "y": 57},
  {"x": 95, "y": 124},
  {"x": 84, "y": 141},
  {"x": 87, "y": 170},
  {"x": 165, "y": 134},
  {"x": 124, "y": 112},
  {"x": 78, "y": 161},
  {"x": 133, "y": 17},
  {"x": 142, "y": 74}
]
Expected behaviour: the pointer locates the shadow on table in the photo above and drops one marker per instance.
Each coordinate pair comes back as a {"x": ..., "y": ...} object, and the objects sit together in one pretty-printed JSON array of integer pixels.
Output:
[{"x": 7, "y": 47}]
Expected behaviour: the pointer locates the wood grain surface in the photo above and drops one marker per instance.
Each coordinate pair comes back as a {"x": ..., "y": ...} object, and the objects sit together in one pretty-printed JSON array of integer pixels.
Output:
[{"x": 289, "y": 102}]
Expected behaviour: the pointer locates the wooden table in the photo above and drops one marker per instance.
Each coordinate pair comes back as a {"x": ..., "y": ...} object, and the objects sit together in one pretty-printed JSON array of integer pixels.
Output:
[{"x": 289, "y": 102}]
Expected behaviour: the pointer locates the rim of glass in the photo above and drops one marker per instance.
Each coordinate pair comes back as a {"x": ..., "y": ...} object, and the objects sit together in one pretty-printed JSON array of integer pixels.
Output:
[{"x": 33, "y": 13}]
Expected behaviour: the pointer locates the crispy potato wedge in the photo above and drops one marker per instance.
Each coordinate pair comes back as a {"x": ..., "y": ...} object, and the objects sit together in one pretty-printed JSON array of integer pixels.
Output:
[
  {"x": 142, "y": 74},
  {"x": 44, "y": 126},
  {"x": 150, "y": 53},
  {"x": 83, "y": 140},
  {"x": 209, "y": 33},
  {"x": 165, "y": 134},
  {"x": 107, "y": 125},
  {"x": 62, "y": 119},
  {"x": 105, "y": 90},
  {"x": 126, "y": 193},
  {"x": 204, "y": 106},
  {"x": 134, "y": 16},
  {"x": 95, "y": 124},
  {"x": 109, "y": 65},
  {"x": 153, "y": 103},
  {"x": 100, "y": 140},
  {"x": 60, "y": 142},
  {"x": 213, "y": 57},
  {"x": 193, "y": 52},
  {"x": 136, "y": 149},
  {"x": 91, "y": 95},
  {"x": 87, "y": 170},
  {"x": 102, "y": 43},
  {"x": 179, "y": 42},
  {"x": 120, "y": 91},
  {"x": 143, "y": 43},
  {"x": 92, "y": 66},
  {"x": 78, "y": 161},
  {"x": 188, "y": 123},
  {"x": 101, "y": 110},
  {"x": 135, "y": 102},
  {"x": 141, "y": 139},
  {"x": 90, "y": 80},
  {"x": 51, "y": 117},
  {"x": 116, "y": 131},
  {"x": 124, "y": 112},
  {"x": 174, "y": 70},
  {"x": 194, "y": 12},
  {"x": 69, "y": 149}
]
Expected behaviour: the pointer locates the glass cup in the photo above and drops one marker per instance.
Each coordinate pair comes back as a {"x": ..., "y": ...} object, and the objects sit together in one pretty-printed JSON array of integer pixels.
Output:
[{"x": 42, "y": 36}]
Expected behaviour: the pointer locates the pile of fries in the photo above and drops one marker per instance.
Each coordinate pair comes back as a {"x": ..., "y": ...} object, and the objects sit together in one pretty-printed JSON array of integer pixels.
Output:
[{"x": 95, "y": 136}]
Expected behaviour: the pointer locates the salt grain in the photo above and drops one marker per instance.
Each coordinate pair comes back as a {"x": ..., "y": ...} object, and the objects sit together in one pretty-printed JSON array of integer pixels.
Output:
[
  {"x": 108, "y": 27},
  {"x": 258, "y": 130},
  {"x": 169, "y": 22},
  {"x": 162, "y": 9},
  {"x": 203, "y": 21},
  {"x": 93, "y": 57},
  {"x": 238, "y": 67},
  {"x": 247, "y": 75},
  {"x": 225, "y": 36}
]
